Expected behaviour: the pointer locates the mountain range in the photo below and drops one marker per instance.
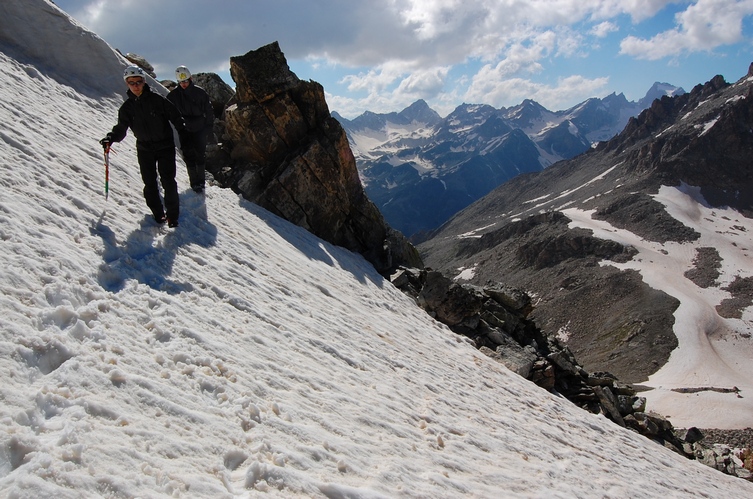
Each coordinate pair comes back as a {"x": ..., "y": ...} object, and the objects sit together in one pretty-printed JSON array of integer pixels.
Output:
[
  {"x": 420, "y": 168},
  {"x": 639, "y": 252}
]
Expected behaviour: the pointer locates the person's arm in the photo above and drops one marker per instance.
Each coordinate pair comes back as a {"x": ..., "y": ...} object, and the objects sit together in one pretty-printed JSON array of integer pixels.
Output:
[
  {"x": 119, "y": 131},
  {"x": 121, "y": 128}
]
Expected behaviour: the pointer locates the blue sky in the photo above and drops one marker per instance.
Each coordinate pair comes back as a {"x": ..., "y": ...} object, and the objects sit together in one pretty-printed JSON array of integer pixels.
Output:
[{"x": 382, "y": 55}]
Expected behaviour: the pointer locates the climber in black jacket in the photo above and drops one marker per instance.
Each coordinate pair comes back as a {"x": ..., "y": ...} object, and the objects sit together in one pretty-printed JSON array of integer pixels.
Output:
[
  {"x": 149, "y": 116},
  {"x": 196, "y": 108}
]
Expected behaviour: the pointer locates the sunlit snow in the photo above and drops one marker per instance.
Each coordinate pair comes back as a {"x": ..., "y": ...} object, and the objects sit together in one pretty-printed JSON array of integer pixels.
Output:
[{"x": 706, "y": 126}]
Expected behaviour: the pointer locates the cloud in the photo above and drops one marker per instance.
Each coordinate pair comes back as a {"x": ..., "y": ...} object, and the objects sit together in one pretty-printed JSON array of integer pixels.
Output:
[
  {"x": 638, "y": 10},
  {"x": 703, "y": 26},
  {"x": 488, "y": 88},
  {"x": 379, "y": 78},
  {"x": 601, "y": 30},
  {"x": 431, "y": 33},
  {"x": 389, "y": 87},
  {"x": 425, "y": 83},
  {"x": 384, "y": 52}
]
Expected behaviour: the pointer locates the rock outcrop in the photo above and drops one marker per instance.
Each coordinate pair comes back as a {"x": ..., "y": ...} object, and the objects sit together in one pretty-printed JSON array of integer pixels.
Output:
[
  {"x": 282, "y": 150},
  {"x": 141, "y": 62},
  {"x": 729, "y": 451}
]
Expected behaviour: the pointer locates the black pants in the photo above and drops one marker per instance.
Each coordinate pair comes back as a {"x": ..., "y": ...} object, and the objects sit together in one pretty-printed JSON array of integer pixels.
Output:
[
  {"x": 162, "y": 161},
  {"x": 195, "y": 158}
]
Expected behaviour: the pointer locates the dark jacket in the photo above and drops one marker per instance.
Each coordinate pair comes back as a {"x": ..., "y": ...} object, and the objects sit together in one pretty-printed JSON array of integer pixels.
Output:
[
  {"x": 194, "y": 105},
  {"x": 148, "y": 116}
]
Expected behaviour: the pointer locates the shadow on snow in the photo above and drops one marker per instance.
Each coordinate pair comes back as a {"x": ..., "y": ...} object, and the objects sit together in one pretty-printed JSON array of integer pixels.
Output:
[{"x": 148, "y": 253}]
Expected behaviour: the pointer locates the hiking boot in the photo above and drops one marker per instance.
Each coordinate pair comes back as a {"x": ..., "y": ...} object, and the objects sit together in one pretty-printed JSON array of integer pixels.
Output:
[
  {"x": 172, "y": 223},
  {"x": 160, "y": 219}
]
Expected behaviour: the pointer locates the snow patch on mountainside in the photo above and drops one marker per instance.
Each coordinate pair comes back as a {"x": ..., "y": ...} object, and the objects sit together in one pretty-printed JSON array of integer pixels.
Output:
[
  {"x": 706, "y": 126},
  {"x": 370, "y": 144},
  {"x": 713, "y": 351}
]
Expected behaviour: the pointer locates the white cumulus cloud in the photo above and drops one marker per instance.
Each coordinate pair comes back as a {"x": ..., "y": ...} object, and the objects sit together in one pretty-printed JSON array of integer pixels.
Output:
[{"x": 704, "y": 26}]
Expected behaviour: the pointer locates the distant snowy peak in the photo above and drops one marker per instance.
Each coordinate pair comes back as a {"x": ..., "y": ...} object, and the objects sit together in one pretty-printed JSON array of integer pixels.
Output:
[
  {"x": 532, "y": 118},
  {"x": 420, "y": 112},
  {"x": 373, "y": 135},
  {"x": 466, "y": 115},
  {"x": 596, "y": 120},
  {"x": 527, "y": 112},
  {"x": 659, "y": 90},
  {"x": 369, "y": 121}
]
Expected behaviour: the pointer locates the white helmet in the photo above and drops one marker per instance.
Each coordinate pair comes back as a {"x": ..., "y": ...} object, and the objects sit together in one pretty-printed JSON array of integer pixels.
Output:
[
  {"x": 182, "y": 73},
  {"x": 133, "y": 71}
]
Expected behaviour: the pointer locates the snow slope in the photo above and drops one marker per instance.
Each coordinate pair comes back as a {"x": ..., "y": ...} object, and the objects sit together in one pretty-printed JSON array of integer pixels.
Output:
[{"x": 238, "y": 355}]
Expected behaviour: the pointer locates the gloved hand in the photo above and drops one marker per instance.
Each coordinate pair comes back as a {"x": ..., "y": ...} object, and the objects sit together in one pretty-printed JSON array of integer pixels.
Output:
[{"x": 107, "y": 141}]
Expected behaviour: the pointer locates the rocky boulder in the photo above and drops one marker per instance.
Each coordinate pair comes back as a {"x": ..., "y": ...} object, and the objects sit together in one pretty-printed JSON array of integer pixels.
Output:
[
  {"x": 140, "y": 62},
  {"x": 282, "y": 150},
  {"x": 729, "y": 451}
]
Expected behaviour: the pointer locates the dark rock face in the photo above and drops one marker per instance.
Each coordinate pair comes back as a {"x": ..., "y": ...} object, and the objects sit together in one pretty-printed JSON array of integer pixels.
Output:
[
  {"x": 613, "y": 321},
  {"x": 742, "y": 297},
  {"x": 283, "y": 151},
  {"x": 706, "y": 267},
  {"x": 641, "y": 214},
  {"x": 548, "y": 242},
  {"x": 712, "y": 151}
]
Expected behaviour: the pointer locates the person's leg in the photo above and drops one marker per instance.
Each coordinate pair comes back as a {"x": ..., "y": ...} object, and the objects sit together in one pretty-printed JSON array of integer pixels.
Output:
[
  {"x": 189, "y": 156},
  {"x": 166, "y": 165},
  {"x": 148, "y": 167},
  {"x": 201, "y": 153}
]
